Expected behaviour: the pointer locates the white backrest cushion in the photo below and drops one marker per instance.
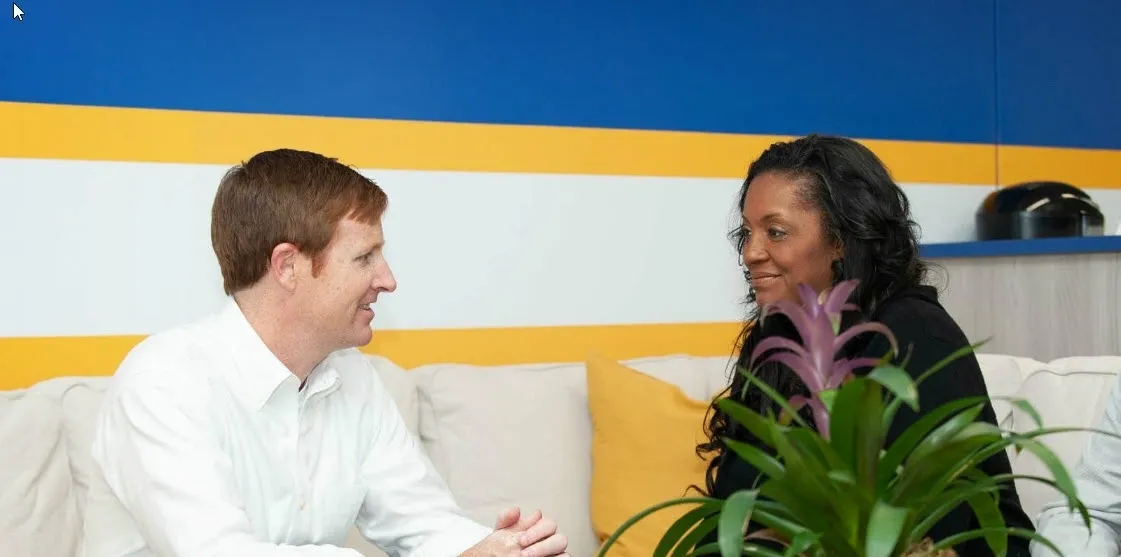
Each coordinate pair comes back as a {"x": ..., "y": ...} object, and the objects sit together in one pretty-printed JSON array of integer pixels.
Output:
[
  {"x": 1068, "y": 392},
  {"x": 1004, "y": 376},
  {"x": 401, "y": 387},
  {"x": 38, "y": 511}
]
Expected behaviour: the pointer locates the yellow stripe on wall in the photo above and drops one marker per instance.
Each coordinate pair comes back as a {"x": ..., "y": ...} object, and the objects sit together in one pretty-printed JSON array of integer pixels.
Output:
[
  {"x": 30, "y": 360},
  {"x": 1085, "y": 168},
  {"x": 48, "y": 131}
]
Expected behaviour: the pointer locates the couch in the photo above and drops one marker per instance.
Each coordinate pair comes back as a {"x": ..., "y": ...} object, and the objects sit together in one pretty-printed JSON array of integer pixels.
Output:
[{"x": 500, "y": 435}]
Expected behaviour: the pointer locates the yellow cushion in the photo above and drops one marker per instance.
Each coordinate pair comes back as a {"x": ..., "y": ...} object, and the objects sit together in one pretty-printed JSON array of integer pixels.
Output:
[{"x": 645, "y": 432}]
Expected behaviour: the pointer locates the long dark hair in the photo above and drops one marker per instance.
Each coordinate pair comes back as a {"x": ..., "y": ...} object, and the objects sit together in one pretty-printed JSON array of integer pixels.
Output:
[{"x": 862, "y": 209}]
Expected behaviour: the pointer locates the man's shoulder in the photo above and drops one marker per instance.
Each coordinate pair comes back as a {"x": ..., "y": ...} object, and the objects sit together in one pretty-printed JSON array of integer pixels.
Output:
[{"x": 174, "y": 357}]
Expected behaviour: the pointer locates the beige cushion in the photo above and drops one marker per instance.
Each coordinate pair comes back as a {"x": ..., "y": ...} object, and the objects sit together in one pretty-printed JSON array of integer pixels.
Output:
[
  {"x": 400, "y": 386},
  {"x": 1003, "y": 378},
  {"x": 80, "y": 398},
  {"x": 1067, "y": 392},
  {"x": 521, "y": 434},
  {"x": 38, "y": 512}
]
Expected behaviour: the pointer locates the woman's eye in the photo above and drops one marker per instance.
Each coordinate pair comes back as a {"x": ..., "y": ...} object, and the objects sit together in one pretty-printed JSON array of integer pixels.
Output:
[{"x": 776, "y": 234}]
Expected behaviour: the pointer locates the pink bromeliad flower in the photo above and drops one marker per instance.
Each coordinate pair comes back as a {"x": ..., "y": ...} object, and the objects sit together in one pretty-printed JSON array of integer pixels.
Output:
[{"x": 818, "y": 322}]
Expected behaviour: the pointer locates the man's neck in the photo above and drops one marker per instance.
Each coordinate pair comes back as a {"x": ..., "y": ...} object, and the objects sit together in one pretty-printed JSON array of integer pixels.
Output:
[{"x": 280, "y": 333}]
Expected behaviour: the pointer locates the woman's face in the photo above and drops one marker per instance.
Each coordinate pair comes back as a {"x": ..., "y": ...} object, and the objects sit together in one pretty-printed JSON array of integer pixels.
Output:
[{"x": 784, "y": 242}]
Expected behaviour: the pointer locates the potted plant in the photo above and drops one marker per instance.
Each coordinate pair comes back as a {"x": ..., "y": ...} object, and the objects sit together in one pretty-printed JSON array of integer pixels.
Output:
[{"x": 836, "y": 490}]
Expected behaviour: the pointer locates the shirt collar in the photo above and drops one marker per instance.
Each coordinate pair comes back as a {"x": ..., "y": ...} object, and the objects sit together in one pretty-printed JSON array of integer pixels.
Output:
[{"x": 260, "y": 374}]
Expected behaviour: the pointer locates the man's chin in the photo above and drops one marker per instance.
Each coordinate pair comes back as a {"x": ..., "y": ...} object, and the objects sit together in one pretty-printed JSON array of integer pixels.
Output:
[{"x": 362, "y": 338}]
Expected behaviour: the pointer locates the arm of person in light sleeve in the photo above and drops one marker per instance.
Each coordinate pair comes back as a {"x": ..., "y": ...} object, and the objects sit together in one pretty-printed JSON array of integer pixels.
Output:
[
  {"x": 1097, "y": 478},
  {"x": 159, "y": 454},
  {"x": 409, "y": 510}
]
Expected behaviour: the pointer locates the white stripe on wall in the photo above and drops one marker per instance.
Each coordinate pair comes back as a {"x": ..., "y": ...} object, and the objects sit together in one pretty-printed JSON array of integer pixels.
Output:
[{"x": 123, "y": 248}]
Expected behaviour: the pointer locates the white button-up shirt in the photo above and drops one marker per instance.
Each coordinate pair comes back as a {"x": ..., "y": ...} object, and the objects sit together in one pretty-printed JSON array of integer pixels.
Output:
[{"x": 208, "y": 447}]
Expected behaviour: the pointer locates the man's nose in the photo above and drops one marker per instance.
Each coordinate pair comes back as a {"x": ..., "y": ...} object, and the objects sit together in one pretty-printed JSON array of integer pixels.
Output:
[{"x": 385, "y": 281}]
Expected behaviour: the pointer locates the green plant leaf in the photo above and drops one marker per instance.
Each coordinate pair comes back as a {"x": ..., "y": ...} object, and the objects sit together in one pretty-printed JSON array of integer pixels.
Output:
[
  {"x": 689, "y": 541},
  {"x": 938, "y": 506},
  {"x": 943, "y": 433},
  {"x": 820, "y": 453},
  {"x": 802, "y": 542},
  {"x": 903, "y": 445},
  {"x": 1055, "y": 466},
  {"x": 776, "y": 397},
  {"x": 1062, "y": 480},
  {"x": 842, "y": 435},
  {"x": 610, "y": 541},
  {"x": 885, "y": 525},
  {"x": 1027, "y": 408},
  {"x": 766, "y": 464},
  {"x": 681, "y": 526},
  {"x": 808, "y": 508},
  {"x": 898, "y": 382},
  {"x": 759, "y": 426},
  {"x": 987, "y": 511},
  {"x": 956, "y": 539},
  {"x": 714, "y": 549},
  {"x": 856, "y": 428},
  {"x": 942, "y": 463},
  {"x": 733, "y": 521},
  {"x": 828, "y": 396},
  {"x": 893, "y": 407},
  {"x": 777, "y": 517}
]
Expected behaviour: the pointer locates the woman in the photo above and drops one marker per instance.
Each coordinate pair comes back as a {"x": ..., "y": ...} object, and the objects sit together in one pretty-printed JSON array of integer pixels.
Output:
[{"x": 820, "y": 210}]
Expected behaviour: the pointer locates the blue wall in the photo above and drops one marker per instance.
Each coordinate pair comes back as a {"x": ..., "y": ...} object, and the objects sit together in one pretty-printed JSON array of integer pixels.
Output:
[{"x": 974, "y": 71}]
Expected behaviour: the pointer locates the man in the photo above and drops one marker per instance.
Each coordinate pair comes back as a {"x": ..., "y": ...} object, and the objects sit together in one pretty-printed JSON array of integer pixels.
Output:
[
  {"x": 261, "y": 430},
  {"x": 1097, "y": 478}
]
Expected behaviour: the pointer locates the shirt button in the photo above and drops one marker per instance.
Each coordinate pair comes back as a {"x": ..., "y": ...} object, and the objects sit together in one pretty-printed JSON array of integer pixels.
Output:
[{"x": 302, "y": 504}]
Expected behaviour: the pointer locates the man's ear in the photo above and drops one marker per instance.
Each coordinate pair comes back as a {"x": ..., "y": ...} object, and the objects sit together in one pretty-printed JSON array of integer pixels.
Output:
[{"x": 285, "y": 265}]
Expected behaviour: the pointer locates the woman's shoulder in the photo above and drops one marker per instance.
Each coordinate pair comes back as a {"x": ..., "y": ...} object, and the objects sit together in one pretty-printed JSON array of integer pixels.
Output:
[{"x": 916, "y": 313}]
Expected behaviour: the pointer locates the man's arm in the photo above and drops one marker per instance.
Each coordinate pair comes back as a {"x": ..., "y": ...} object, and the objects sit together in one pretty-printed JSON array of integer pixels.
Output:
[
  {"x": 409, "y": 510},
  {"x": 158, "y": 451},
  {"x": 1097, "y": 478}
]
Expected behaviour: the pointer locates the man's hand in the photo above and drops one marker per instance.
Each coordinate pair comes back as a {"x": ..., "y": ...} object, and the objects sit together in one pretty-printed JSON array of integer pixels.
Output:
[{"x": 522, "y": 536}]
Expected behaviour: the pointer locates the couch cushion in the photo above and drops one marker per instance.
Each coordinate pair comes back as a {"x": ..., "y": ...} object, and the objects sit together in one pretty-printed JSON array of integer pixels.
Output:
[
  {"x": 521, "y": 434},
  {"x": 511, "y": 435},
  {"x": 1003, "y": 377},
  {"x": 38, "y": 511},
  {"x": 645, "y": 433},
  {"x": 1068, "y": 392},
  {"x": 400, "y": 386},
  {"x": 80, "y": 399}
]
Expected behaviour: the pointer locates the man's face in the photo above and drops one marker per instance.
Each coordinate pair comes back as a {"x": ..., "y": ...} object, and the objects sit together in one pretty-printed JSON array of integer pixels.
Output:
[{"x": 336, "y": 304}]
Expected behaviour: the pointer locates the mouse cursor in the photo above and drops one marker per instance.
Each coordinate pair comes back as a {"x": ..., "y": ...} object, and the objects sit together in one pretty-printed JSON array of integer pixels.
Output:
[{"x": 16, "y": 12}]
